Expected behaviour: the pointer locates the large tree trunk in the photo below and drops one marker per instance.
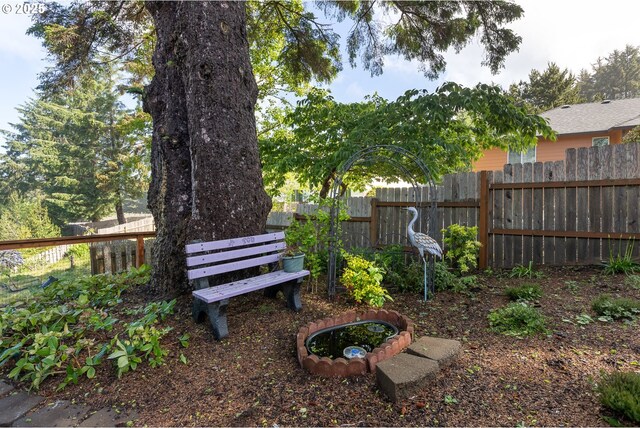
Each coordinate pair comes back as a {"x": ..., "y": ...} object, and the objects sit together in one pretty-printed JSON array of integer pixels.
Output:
[{"x": 206, "y": 179}]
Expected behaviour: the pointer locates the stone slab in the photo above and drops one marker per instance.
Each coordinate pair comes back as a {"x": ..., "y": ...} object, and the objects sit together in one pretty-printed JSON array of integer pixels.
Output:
[
  {"x": 444, "y": 351},
  {"x": 16, "y": 405},
  {"x": 58, "y": 414},
  {"x": 5, "y": 388},
  {"x": 403, "y": 375},
  {"x": 107, "y": 417}
]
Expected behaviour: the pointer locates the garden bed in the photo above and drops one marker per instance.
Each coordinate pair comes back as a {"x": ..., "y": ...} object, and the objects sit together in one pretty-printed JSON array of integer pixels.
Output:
[{"x": 254, "y": 377}]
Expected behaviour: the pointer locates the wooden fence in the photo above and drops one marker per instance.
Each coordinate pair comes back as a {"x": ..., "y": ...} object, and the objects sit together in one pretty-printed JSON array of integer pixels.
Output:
[{"x": 578, "y": 211}]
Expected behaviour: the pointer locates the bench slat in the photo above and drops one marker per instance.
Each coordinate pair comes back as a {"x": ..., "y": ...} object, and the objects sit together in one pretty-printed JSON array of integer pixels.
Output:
[
  {"x": 234, "y": 254},
  {"x": 230, "y": 267},
  {"x": 232, "y": 289},
  {"x": 231, "y": 243}
]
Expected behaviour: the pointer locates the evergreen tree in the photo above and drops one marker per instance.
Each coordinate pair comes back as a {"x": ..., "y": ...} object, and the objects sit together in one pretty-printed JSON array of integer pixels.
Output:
[
  {"x": 615, "y": 77},
  {"x": 547, "y": 89},
  {"x": 81, "y": 148}
]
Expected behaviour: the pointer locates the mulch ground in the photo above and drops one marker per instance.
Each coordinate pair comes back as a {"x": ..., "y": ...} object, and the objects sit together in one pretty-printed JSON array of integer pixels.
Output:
[{"x": 252, "y": 378}]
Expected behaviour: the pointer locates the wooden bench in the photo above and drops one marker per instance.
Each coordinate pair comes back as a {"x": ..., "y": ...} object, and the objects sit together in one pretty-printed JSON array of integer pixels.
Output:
[{"x": 208, "y": 259}]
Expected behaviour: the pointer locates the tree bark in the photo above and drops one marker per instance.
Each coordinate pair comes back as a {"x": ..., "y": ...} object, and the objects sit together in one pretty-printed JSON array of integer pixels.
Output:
[
  {"x": 206, "y": 180},
  {"x": 120, "y": 212}
]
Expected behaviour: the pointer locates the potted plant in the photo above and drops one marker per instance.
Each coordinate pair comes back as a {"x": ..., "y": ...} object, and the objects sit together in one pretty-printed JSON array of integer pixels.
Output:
[
  {"x": 292, "y": 258},
  {"x": 298, "y": 237}
]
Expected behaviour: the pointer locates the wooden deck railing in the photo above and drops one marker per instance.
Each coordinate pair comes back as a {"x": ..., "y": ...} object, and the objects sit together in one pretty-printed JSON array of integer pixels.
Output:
[{"x": 70, "y": 240}]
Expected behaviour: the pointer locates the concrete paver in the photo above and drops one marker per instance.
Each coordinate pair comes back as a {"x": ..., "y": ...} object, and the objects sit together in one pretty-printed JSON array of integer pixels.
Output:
[
  {"x": 57, "y": 414},
  {"x": 16, "y": 405},
  {"x": 5, "y": 388},
  {"x": 401, "y": 376},
  {"x": 444, "y": 351}
]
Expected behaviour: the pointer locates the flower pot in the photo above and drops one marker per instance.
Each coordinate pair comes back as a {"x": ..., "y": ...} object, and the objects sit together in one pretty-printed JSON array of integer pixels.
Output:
[{"x": 293, "y": 263}]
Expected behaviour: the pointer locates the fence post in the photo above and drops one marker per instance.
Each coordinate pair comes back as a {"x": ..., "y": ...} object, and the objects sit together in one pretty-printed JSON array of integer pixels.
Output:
[
  {"x": 140, "y": 251},
  {"x": 373, "y": 224},
  {"x": 483, "y": 225}
]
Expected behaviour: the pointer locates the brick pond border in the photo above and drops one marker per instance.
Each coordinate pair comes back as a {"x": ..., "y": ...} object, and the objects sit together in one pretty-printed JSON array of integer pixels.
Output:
[{"x": 342, "y": 367}]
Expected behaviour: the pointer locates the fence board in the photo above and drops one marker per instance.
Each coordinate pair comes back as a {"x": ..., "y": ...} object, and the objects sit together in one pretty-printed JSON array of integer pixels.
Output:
[
  {"x": 571, "y": 213},
  {"x": 538, "y": 205},
  {"x": 497, "y": 216},
  {"x": 517, "y": 215},
  {"x": 607, "y": 171},
  {"x": 507, "y": 222},
  {"x": 560, "y": 216},
  {"x": 595, "y": 202},
  {"x": 548, "y": 221},
  {"x": 632, "y": 170},
  {"x": 582, "y": 203},
  {"x": 527, "y": 213}
]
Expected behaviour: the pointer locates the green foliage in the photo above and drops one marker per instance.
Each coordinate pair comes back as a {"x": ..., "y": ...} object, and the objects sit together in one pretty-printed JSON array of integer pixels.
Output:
[
  {"x": 524, "y": 292},
  {"x": 616, "y": 308},
  {"x": 621, "y": 262},
  {"x": 517, "y": 319},
  {"x": 25, "y": 218},
  {"x": 521, "y": 271},
  {"x": 462, "y": 248},
  {"x": 547, "y": 89},
  {"x": 620, "y": 392},
  {"x": 633, "y": 281},
  {"x": 632, "y": 136},
  {"x": 452, "y": 128},
  {"x": 64, "y": 330},
  {"x": 363, "y": 281},
  {"x": 444, "y": 279},
  {"x": 311, "y": 237}
]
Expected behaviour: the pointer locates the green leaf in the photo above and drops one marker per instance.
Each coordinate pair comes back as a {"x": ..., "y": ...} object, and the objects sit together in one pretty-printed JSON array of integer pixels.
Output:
[
  {"x": 123, "y": 361},
  {"x": 91, "y": 372},
  {"x": 183, "y": 359}
]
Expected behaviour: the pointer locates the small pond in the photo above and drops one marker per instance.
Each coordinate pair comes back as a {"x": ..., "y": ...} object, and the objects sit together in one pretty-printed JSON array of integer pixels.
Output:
[{"x": 350, "y": 340}]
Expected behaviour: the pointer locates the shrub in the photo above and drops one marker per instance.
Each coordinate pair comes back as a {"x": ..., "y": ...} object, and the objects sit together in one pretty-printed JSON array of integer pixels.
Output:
[
  {"x": 517, "y": 319},
  {"x": 363, "y": 281},
  {"x": 619, "y": 308},
  {"x": 527, "y": 292},
  {"x": 462, "y": 247},
  {"x": 620, "y": 392}
]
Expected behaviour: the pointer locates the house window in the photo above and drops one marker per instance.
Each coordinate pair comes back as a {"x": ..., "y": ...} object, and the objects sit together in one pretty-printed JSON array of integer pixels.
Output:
[
  {"x": 600, "y": 141},
  {"x": 522, "y": 157}
]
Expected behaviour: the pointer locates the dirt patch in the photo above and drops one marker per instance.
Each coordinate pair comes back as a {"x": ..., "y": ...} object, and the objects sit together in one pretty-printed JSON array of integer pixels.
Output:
[{"x": 253, "y": 377}]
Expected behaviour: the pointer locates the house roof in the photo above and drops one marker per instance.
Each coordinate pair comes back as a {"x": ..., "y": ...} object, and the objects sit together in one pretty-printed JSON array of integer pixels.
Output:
[{"x": 594, "y": 117}]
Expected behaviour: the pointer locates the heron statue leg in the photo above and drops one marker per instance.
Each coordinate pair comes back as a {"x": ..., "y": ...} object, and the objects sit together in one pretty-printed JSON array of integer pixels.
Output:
[{"x": 424, "y": 260}]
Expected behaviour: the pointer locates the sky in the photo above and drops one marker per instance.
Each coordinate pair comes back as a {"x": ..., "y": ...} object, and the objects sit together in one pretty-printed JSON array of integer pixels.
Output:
[{"x": 568, "y": 32}]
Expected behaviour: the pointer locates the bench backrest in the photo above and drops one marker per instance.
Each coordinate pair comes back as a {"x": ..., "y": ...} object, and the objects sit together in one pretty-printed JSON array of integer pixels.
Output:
[{"x": 227, "y": 255}]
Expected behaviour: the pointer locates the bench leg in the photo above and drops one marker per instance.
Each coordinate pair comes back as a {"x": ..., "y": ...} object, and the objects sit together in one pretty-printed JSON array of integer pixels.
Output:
[
  {"x": 217, "y": 313},
  {"x": 291, "y": 291}
]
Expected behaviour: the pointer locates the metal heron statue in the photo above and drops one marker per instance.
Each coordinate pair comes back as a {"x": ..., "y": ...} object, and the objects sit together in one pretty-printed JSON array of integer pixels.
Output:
[{"x": 422, "y": 242}]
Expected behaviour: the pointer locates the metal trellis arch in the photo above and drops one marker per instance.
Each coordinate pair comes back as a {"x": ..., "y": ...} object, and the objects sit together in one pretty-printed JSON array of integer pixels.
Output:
[{"x": 397, "y": 157}]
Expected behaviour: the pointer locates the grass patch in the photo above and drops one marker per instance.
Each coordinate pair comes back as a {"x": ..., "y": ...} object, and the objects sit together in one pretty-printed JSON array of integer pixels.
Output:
[
  {"x": 620, "y": 392},
  {"x": 616, "y": 308},
  {"x": 517, "y": 319},
  {"x": 521, "y": 271},
  {"x": 527, "y": 292}
]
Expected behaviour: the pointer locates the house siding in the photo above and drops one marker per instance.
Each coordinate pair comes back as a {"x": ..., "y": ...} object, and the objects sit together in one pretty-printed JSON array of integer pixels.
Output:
[{"x": 494, "y": 159}]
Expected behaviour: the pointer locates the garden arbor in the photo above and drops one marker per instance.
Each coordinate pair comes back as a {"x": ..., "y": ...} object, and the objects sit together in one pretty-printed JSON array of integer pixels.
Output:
[{"x": 409, "y": 167}]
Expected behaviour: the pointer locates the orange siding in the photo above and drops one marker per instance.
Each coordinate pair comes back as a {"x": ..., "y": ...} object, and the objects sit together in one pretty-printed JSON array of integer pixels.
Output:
[{"x": 494, "y": 159}]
